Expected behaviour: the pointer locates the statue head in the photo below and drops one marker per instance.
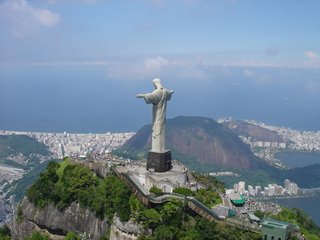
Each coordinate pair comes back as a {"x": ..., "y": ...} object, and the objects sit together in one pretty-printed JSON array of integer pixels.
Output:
[{"x": 157, "y": 83}]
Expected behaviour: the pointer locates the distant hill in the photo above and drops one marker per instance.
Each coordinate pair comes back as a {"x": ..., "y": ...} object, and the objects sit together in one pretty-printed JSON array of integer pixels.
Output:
[
  {"x": 204, "y": 145},
  {"x": 14, "y": 144},
  {"x": 256, "y": 132},
  {"x": 24, "y": 152},
  {"x": 201, "y": 138}
]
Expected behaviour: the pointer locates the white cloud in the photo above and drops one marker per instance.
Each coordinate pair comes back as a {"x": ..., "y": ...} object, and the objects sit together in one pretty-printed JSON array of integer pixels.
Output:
[
  {"x": 148, "y": 67},
  {"x": 311, "y": 55},
  {"x": 151, "y": 67},
  {"x": 24, "y": 20},
  {"x": 313, "y": 59},
  {"x": 155, "y": 64}
]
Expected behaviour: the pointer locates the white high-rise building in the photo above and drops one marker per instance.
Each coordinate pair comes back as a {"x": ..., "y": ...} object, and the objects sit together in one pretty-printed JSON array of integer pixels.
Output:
[
  {"x": 242, "y": 187},
  {"x": 293, "y": 188},
  {"x": 251, "y": 191},
  {"x": 272, "y": 190},
  {"x": 278, "y": 189},
  {"x": 286, "y": 183}
]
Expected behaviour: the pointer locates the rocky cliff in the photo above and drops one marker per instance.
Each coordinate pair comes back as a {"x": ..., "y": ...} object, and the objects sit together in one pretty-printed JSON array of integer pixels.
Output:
[{"x": 56, "y": 222}]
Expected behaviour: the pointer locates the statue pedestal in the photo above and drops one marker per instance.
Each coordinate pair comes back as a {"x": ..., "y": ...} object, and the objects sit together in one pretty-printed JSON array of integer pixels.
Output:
[{"x": 159, "y": 162}]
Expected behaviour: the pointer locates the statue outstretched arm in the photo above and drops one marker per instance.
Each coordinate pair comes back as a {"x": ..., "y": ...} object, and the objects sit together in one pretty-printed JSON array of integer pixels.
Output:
[{"x": 141, "y": 95}]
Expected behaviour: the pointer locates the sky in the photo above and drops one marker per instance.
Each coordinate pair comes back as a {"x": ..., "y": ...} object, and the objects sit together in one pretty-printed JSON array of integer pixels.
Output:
[{"x": 245, "y": 59}]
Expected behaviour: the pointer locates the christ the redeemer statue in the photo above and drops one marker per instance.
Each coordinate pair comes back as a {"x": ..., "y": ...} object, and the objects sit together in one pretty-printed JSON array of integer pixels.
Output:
[{"x": 158, "y": 157}]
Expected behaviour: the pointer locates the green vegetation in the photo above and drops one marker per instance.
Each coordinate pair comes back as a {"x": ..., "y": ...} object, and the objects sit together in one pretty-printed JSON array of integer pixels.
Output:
[
  {"x": 12, "y": 144},
  {"x": 174, "y": 221},
  {"x": 207, "y": 197},
  {"x": 5, "y": 233},
  {"x": 18, "y": 187},
  {"x": 78, "y": 184},
  {"x": 29, "y": 151},
  {"x": 64, "y": 183},
  {"x": 63, "y": 165},
  {"x": 296, "y": 216},
  {"x": 212, "y": 183},
  {"x": 72, "y": 236},
  {"x": 183, "y": 191},
  {"x": 37, "y": 236},
  {"x": 305, "y": 223},
  {"x": 156, "y": 191}
]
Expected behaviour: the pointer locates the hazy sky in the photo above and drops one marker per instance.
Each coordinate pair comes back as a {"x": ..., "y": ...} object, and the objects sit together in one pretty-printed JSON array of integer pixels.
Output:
[
  {"x": 230, "y": 55},
  {"x": 160, "y": 32}
]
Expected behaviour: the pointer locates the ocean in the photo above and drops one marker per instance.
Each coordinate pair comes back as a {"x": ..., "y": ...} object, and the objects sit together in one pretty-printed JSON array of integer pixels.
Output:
[
  {"x": 85, "y": 99},
  {"x": 309, "y": 204},
  {"x": 298, "y": 159}
]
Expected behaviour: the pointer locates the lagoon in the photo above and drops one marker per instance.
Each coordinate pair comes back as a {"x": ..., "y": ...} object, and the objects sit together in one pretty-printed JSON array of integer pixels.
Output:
[{"x": 298, "y": 159}]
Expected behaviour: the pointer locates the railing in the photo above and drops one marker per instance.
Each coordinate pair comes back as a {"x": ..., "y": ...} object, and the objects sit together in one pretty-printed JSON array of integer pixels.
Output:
[{"x": 191, "y": 202}]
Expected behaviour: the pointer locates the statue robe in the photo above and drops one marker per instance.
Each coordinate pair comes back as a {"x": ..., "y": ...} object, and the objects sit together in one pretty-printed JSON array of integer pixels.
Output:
[{"x": 158, "y": 98}]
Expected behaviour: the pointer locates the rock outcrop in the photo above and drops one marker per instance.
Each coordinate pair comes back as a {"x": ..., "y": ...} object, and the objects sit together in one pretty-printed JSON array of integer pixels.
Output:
[
  {"x": 57, "y": 222},
  {"x": 126, "y": 230}
]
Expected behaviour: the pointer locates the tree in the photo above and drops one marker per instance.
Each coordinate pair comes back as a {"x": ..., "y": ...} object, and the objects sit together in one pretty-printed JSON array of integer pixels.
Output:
[
  {"x": 171, "y": 213},
  {"x": 72, "y": 236},
  {"x": 183, "y": 191},
  {"x": 135, "y": 207},
  {"x": 207, "y": 230},
  {"x": 4, "y": 233},
  {"x": 259, "y": 214},
  {"x": 150, "y": 218},
  {"x": 156, "y": 191},
  {"x": 37, "y": 236},
  {"x": 165, "y": 232},
  {"x": 190, "y": 234},
  {"x": 42, "y": 191}
]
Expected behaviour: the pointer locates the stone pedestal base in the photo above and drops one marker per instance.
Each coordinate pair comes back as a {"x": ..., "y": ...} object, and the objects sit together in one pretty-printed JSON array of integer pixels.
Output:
[{"x": 159, "y": 162}]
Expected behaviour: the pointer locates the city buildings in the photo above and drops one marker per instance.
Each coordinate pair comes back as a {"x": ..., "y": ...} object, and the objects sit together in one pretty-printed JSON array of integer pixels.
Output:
[
  {"x": 77, "y": 144},
  {"x": 290, "y": 188}
]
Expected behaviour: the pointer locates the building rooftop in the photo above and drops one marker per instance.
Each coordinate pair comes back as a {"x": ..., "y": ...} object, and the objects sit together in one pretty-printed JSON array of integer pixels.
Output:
[
  {"x": 272, "y": 223},
  {"x": 253, "y": 217}
]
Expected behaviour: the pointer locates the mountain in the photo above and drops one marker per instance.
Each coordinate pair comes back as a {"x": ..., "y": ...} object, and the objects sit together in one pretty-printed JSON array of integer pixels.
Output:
[
  {"x": 13, "y": 144},
  {"x": 22, "y": 151},
  {"x": 202, "y": 144},
  {"x": 70, "y": 199},
  {"x": 250, "y": 130},
  {"x": 200, "y": 138},
  {"x": 22, "y": 159}
]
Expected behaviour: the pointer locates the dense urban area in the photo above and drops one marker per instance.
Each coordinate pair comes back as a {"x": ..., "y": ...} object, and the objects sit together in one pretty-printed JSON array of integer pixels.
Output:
[
  {"x": 297, "y": 140},
  {"x": 84, "y": 145}
]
